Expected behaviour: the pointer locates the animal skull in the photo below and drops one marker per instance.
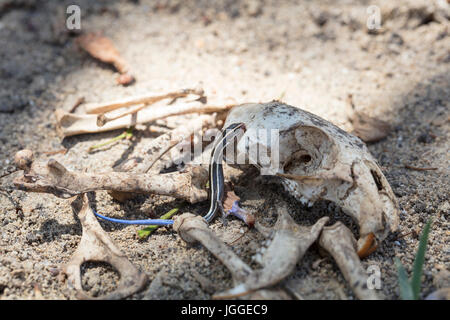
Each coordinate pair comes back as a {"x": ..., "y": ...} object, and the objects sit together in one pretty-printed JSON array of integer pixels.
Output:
[{"x": 317, "y": 160}]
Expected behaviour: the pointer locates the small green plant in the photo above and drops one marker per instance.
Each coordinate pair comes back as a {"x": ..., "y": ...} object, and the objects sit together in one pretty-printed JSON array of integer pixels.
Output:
[
  {"x": 410, "y": 288},
  {"x": 144, "y": 233}
]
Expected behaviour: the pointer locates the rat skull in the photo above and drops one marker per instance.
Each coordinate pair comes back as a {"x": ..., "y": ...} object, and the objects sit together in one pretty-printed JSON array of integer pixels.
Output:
[{"x": 317, "y": 160}]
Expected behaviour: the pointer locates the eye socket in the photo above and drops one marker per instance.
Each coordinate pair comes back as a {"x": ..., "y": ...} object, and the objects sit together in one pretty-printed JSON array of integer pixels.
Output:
[
  {"x": 305, "y": 158},
  {"x": 297, "y": 159},
  {"x": 377, "y": 180}
]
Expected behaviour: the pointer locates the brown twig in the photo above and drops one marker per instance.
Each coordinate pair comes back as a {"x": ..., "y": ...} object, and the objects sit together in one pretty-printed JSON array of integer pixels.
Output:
[
  {"x": 401, "y": 236},
  {"x": 7, "y": 173},
  {"x": 238, "y": 238},
  {"x": 17, "y": 207}
]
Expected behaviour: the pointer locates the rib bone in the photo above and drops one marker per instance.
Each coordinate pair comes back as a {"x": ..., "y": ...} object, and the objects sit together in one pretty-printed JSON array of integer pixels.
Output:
[
  {"x": 98, "y": 108},
  {"x": 69, "y": 124}
]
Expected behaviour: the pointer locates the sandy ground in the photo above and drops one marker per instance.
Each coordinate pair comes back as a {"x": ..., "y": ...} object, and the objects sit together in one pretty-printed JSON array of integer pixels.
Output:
[{"x": 309, "y": 54}]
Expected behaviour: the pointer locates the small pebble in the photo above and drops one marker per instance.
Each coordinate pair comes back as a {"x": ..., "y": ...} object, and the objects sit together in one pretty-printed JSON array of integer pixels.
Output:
[{"x": 54, "y": 271}]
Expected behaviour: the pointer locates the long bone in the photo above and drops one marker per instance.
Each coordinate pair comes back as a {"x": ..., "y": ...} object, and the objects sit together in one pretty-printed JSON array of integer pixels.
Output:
[
  {"x": 96, "y": 245},
  {"x": 53, "y": 177},
  {"x": 193, "y": 229},
  {"x": 340, "y": 243}
]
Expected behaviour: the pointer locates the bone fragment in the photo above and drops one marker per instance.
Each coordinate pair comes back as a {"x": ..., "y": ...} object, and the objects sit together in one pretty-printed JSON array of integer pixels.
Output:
[
  {"x": 95, "y": 245},
  {"x": 340, "y": 243},
  {"x": 289, "y": 244},
  {"x": 366, "y": 127},
  {"x": 103, "y": 118},
  {"x": 193, "y": 229},
  {"x": 103, "y": 49},
  {"x": 160, "y": 145}
]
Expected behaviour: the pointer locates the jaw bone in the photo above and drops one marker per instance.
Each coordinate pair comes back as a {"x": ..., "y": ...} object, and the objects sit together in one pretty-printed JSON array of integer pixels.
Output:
[{"x": 96, "y": 245}]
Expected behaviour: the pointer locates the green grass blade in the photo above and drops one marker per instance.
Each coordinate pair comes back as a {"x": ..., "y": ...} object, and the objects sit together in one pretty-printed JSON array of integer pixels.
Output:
[
  {"x": 144, "y": 233},
  {"x": 126, "y": 135},
  {"x": 419, "y": 260},
  {"x": 406, "y": 292},
  {"x": 129, "y": 133}
]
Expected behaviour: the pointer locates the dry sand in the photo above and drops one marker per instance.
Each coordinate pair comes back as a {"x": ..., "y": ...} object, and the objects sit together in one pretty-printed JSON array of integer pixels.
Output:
[{"x": 309, "y": 54}]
